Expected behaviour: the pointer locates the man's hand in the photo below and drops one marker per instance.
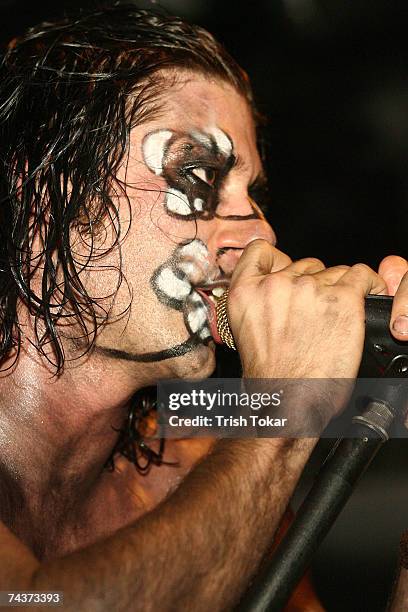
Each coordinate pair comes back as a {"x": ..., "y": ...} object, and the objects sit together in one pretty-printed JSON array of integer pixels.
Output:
[
  {"x": 394, "y": 271},
  {"x": 298, "y": 320}
]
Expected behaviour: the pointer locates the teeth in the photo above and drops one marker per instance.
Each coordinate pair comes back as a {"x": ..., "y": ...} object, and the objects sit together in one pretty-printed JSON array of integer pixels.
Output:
[{"x": 218, "y": 291}]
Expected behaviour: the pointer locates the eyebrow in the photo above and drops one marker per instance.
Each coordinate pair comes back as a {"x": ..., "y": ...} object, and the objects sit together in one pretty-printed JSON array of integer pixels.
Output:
[
  {"x": 260, "y": 182},
  {"x": 240, "y": 164}
]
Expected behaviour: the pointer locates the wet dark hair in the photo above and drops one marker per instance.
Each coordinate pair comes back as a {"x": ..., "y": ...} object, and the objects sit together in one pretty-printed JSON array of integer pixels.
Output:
[{"x": 70, "y": 92}]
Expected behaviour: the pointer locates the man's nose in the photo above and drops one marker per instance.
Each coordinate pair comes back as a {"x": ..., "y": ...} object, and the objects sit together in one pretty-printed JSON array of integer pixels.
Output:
[{"x": 234, "y": 231}]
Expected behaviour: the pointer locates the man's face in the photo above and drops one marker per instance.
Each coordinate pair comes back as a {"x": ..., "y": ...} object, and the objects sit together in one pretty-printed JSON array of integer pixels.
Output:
[{"x": 190, "y": 175}]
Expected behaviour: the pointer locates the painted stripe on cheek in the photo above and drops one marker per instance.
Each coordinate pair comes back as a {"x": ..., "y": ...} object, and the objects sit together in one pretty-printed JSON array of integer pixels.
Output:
[
  {"x": 172, "y": 286},
  {"x": 177, "y": 202},
  {"x": 153, "y": 149},
  {"x": 197, "y": 318},
  {"x": 195, "y": 249}
]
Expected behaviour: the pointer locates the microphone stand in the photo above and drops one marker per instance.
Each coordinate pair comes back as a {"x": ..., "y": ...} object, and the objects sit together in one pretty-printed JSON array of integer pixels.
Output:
[{"x": 347, "y": 461}]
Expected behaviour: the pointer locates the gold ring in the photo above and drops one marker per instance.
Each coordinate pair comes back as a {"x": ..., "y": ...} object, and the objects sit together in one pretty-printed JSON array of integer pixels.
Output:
[{"x": 223, "y": 327}]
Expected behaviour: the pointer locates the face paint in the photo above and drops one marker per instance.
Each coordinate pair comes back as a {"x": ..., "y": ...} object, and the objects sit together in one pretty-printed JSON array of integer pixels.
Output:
[
  {"x": 187, "y": 172},
  {"x": 222, "y": 141},
  {"x": 194, "y": 166},
  {"x": 177, "y": 203},
  {"x": 175, "y": 351},
  {"x": 174, "y": 283},
  {"x": 167, "y": 283},
  {"x": 153, "y": 149},
  {"x": 195, "y": 249}
]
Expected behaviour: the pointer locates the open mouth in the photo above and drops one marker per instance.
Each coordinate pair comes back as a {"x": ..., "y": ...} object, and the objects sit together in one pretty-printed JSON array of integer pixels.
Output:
[
  {"x": 185, "y": 283},
  {"x": 210, "y": 295}
]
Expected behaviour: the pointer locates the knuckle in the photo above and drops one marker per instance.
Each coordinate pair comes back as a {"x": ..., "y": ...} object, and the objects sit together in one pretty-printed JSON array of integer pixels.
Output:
[
  {"x": 306, "y": 281},
  {"x": 258, "y": 244},
  {"x": 342, "y": 267},
  {"x": 271, "y": 282},
  {"x": 276, "y": 283},
  {"x": 335, "y": 294},
  {"x": 313, "y": 261},
  {"x": 362, "y": 268}
]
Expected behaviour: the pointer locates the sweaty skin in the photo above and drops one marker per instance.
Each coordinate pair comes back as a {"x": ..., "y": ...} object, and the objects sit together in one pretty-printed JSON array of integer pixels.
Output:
[
  {"x": 68, "y": 422},
  {"x": 195, "y": 166},
  {"x": 181, "y": 538}
]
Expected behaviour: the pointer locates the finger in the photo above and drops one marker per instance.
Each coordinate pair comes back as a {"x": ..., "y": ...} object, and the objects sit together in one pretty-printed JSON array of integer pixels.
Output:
[
  {"x": 364, "y": 278},
  {"x": 258, "y": 259},
  {"x": 399, "y": 314},
  {"x": 308, "y": 265},
  {"x": 331, "y": 276},
  {"x": 392, "y": 269}
]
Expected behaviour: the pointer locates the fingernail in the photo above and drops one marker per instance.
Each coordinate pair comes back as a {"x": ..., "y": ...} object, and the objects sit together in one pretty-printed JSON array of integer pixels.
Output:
[{"x": 400, "y": 324}]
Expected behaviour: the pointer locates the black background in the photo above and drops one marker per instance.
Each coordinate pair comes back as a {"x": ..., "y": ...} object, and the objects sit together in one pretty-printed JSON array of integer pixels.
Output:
[{"x": 332, "y": 78}]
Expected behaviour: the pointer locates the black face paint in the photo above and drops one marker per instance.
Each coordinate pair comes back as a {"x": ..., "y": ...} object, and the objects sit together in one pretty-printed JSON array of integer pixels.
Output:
[
  {"x": 175, "y": 351},
  {"x": 175, "y": 280},
  {"x": 173, "y": 283},
  {"x": 194, "y": 166},
  {"x": 197, "y": 170}
]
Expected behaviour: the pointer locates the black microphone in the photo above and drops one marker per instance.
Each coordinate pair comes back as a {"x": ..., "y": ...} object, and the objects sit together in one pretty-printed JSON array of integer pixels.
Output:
[
  {"x": 380, "y": 346},
  {"x": 383, "y": 356}
]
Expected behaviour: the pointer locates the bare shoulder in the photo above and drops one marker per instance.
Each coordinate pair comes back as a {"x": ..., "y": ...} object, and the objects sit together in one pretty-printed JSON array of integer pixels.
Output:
[
  {"x": 17, "y": 562},
  {"x": 140, "y": 493},
  {"x": 124, "y": 495},
  {"x": 119, "y": 498}
]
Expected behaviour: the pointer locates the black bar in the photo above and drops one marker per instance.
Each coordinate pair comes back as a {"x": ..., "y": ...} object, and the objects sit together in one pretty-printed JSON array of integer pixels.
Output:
[
  {"x": 332, "y": 489},
  {"x": 337, "y": 478}
]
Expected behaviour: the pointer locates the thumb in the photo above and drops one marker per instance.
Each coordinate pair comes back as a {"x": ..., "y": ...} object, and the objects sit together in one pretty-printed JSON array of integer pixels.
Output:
[
  {"x": 399, "y": 314},
  {"x": 392, "y": 269}
]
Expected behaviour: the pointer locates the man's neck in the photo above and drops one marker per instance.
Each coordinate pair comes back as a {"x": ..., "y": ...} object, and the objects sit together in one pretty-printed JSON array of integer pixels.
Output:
[{"x": 57, "y": 432}]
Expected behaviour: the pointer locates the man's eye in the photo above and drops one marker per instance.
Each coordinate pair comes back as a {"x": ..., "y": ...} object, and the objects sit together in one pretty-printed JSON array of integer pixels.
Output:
[{"x": 207, "y": 175}]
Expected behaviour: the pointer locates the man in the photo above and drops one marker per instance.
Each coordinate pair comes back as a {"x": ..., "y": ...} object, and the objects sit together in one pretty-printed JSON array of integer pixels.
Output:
[{"x": 130, "y": 174}]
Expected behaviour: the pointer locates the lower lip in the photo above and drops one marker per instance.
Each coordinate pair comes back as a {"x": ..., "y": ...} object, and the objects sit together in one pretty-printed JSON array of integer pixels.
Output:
[{"x": 212, "y": 316}]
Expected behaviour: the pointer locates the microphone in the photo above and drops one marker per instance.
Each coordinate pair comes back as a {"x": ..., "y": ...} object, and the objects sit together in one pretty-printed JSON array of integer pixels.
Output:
[
  {"x": 350, "y": 456},
  {"x": 380, "y": 347}
]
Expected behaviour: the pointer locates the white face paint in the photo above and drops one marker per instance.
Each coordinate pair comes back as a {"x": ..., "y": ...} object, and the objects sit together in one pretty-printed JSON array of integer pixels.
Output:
[
  {"x": 202, "y": 138},
  {"x": 153, "y": 148},
  {"x": 196, "y": 318},
  {"x": 196, "y": 250},
  {"x": 168, "y": 283},
  {"x": 175, "y": 280},
  {"x": 174, "y": 284},
  {"x": 222, "y": 141},
  {"x": 177, "y": 202},
  {"x": 156, "y": 147}
]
